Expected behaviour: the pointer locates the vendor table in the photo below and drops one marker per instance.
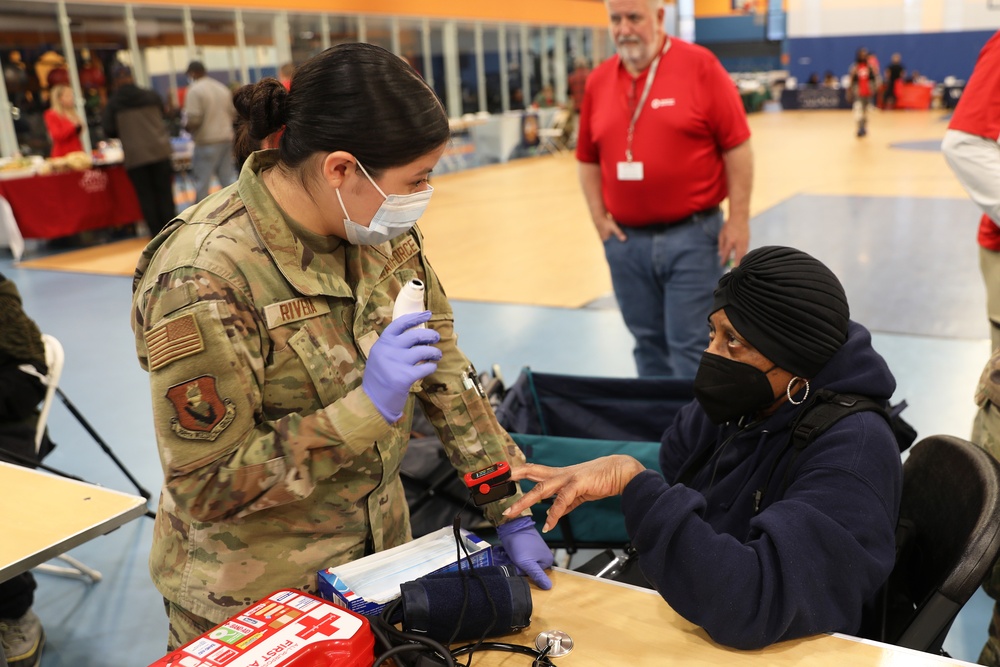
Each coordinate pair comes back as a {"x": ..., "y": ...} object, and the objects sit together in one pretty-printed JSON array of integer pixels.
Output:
[
  {"x": 951, "y": 94},
  {"x": 913, "y": 95},
  {"x": 497, "y": 137},
  {"x": 47, "y": 207},
  {"x": 814, "y": 98}
]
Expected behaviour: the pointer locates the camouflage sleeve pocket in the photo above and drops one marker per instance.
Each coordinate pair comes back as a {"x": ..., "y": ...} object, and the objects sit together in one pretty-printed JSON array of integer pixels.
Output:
[{"x": 202, "y": 401}]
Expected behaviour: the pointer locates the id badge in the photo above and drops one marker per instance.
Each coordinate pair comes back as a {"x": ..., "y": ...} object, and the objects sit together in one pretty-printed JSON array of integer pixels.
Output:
[{"x": 629, "y": 171}]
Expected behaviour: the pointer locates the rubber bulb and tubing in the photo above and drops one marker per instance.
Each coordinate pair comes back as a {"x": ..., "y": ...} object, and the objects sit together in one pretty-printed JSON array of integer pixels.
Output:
[{"x": 410, "y": 300}]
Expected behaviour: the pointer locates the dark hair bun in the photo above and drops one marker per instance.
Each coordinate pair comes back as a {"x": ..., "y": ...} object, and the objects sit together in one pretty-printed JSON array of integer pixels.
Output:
[{"x": 263, "y": 105}]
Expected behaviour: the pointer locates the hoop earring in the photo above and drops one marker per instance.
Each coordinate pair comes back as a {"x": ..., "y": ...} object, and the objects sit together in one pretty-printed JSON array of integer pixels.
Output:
[{"x": 788, "y": 391}]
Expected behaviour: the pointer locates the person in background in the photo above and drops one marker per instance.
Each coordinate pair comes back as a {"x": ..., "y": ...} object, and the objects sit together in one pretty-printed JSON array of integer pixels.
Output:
[
  {"x": 135, "y": 115},
  {"x": 861, "y": 91},
  {"x": 50, "y": 62},
  {"x": 756, "y": 540},
  {"x": 285, "y": 75},
  {"x": 528, "y": 145},
  {"x": 546, "y": 97},
  {"x": 517, "y": 98},
  {"x": 209, "y": 117},
  {"x": 663, "y": 140},
  {"x": 576, "y": 84},
  {"x": 972, "y": 151},
  {"x": 893, "y": 73},
  {"x": 22, "y": 388},
  {"x": 93, "y": 83},
  {"x": 873, "y": 62},
  {"x": 63, "y": 122},
  {"x": 283, "y": 391}
]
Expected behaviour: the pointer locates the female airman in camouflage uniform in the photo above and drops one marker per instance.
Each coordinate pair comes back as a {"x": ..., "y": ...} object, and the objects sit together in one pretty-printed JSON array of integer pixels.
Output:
[{"x": 282, "y": 395}]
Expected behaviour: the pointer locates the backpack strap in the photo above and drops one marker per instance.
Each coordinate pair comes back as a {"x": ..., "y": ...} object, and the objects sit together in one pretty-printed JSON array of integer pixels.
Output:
[
  {"x": 825, "y": 410},
  {"x": 816, "y": 417}
]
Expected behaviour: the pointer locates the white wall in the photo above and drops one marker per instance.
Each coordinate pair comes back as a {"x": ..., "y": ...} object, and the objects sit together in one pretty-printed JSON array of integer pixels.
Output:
[{"x": 823, "y": 18}]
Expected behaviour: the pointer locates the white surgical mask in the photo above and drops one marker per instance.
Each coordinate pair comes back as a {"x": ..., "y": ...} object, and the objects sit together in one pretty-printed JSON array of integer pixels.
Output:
[{"x": 396, "y": 215}]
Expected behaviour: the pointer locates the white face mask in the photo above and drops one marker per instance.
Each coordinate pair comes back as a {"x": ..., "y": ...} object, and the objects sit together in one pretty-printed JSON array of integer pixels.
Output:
[{"x": 396, "y": 216}]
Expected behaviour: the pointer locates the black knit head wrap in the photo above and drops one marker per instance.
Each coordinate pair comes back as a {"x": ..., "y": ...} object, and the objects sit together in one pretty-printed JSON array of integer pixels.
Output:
[{"x": 788, "y": 305}]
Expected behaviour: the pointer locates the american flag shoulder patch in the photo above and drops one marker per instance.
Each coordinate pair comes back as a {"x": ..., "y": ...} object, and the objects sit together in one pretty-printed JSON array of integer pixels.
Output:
[{"x": 173, "y": 340}]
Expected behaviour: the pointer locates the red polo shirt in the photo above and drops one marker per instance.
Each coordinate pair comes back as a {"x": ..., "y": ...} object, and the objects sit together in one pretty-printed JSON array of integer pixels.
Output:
[
  {"x": 692, "y": 114},
  {"x": 978, "y": 110},
  {"x": 978, "y": 113}
]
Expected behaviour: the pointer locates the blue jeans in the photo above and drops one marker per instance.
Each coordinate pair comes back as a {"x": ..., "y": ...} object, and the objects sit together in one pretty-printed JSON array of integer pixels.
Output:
[
  {"x": 212, "y": 160},
  {"x": 664, "y": 279}
]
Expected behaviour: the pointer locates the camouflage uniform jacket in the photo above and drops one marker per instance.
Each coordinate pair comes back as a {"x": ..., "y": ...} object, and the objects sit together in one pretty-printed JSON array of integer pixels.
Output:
[{"x": 276, "y": 463}]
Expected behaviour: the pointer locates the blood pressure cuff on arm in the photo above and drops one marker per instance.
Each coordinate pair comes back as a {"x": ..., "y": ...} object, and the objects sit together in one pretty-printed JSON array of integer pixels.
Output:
[{"x": 432, "y": 605}]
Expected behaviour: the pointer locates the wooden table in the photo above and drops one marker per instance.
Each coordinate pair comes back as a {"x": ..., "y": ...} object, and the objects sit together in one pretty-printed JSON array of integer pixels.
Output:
[
  {"x": 618, "y": 624},
  {"x": 42, "y": 516}
]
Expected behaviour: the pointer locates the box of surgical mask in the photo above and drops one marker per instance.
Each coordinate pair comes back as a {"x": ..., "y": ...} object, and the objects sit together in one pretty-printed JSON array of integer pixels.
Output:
[{"x": 368, "y": 584}]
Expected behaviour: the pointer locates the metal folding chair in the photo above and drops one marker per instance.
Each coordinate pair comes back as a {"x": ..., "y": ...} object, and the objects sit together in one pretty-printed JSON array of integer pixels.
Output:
[
  {"x": 554, "y": 139},
  {"x": 54, "y": 359}
]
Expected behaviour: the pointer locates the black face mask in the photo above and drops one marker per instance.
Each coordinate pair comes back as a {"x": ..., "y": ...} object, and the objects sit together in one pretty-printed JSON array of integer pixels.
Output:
[{"x": 728, "y": 389}]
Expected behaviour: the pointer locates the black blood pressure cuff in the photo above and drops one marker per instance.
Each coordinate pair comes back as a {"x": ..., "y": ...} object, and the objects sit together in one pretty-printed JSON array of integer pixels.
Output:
[{"x": 432, "y": 605}]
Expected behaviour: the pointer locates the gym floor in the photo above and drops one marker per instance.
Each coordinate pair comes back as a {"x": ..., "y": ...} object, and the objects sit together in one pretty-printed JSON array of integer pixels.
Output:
[{"x": 514, "y": 248}]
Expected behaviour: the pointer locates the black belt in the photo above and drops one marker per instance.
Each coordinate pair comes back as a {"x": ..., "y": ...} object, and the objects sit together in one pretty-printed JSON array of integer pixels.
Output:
[{"x": 663, "y": 226}]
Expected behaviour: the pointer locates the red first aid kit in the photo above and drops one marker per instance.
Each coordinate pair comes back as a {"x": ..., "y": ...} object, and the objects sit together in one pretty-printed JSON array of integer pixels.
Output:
[{"x": 288, "y": 628}]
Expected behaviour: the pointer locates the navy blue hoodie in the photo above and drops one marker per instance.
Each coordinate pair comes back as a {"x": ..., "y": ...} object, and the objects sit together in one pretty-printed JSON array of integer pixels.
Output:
[{"x": 823, "y": 541}]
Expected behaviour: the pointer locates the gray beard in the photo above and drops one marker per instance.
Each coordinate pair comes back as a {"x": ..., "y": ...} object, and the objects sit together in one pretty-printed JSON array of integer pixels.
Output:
[{"x": 632, "y": 55}]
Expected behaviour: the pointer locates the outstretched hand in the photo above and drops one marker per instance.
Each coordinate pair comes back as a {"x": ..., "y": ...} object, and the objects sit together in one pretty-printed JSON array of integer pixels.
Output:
[{"x": 573, "y": 485}]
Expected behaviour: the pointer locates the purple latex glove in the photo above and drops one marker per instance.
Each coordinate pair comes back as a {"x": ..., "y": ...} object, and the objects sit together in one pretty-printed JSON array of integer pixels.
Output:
[
  {"x": 394, "y": 363},
  {"x": 526, "y": 549}
]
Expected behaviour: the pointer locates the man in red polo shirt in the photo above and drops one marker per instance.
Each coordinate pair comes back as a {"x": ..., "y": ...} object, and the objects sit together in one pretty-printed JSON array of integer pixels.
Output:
[
  {"x": 663, "y": 140},
  {"x": 971, "y": 149}
]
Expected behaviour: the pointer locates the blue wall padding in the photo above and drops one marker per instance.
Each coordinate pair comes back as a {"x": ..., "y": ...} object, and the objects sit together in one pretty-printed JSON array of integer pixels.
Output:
[
  {"x": 728, "y": 29},
  {"x": 935, "y": 55}
]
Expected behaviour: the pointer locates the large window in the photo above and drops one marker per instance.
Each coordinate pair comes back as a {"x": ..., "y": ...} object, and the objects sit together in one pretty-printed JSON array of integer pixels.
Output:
[
  {"x": 411, "y": 44},
  {"x": 471, "y": 66},
  {"x": 215, "y": 44},
  {"x": 467, "y": 67},
  {"x": 378, "y": 31},
  {"x": 492, "y": 67},
  {"x": 31, "y": 51},
  {"x": 98, "y": 35},
  {"x": 306, "y": 36},
  {"x": 160, "y": 33},
  {"x": 343, "y": 29},
  {"x": 437, "y": 60},
  {"x": 516, "y": 68},
  {"x": 260, "y": 51}
]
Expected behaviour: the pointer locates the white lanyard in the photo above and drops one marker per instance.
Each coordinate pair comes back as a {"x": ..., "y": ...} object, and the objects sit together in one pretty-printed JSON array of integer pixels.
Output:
[{"x": 642, "y": 99}]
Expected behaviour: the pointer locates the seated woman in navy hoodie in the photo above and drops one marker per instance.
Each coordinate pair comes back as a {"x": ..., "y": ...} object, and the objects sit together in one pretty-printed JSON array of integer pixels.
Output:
[{"x": 740, "y": 534}]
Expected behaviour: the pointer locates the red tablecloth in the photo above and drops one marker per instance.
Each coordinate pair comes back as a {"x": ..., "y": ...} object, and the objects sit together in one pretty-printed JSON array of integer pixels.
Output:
[
  {"x": 913, "y": 95},
  {"x": 47, "y": 207}
]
